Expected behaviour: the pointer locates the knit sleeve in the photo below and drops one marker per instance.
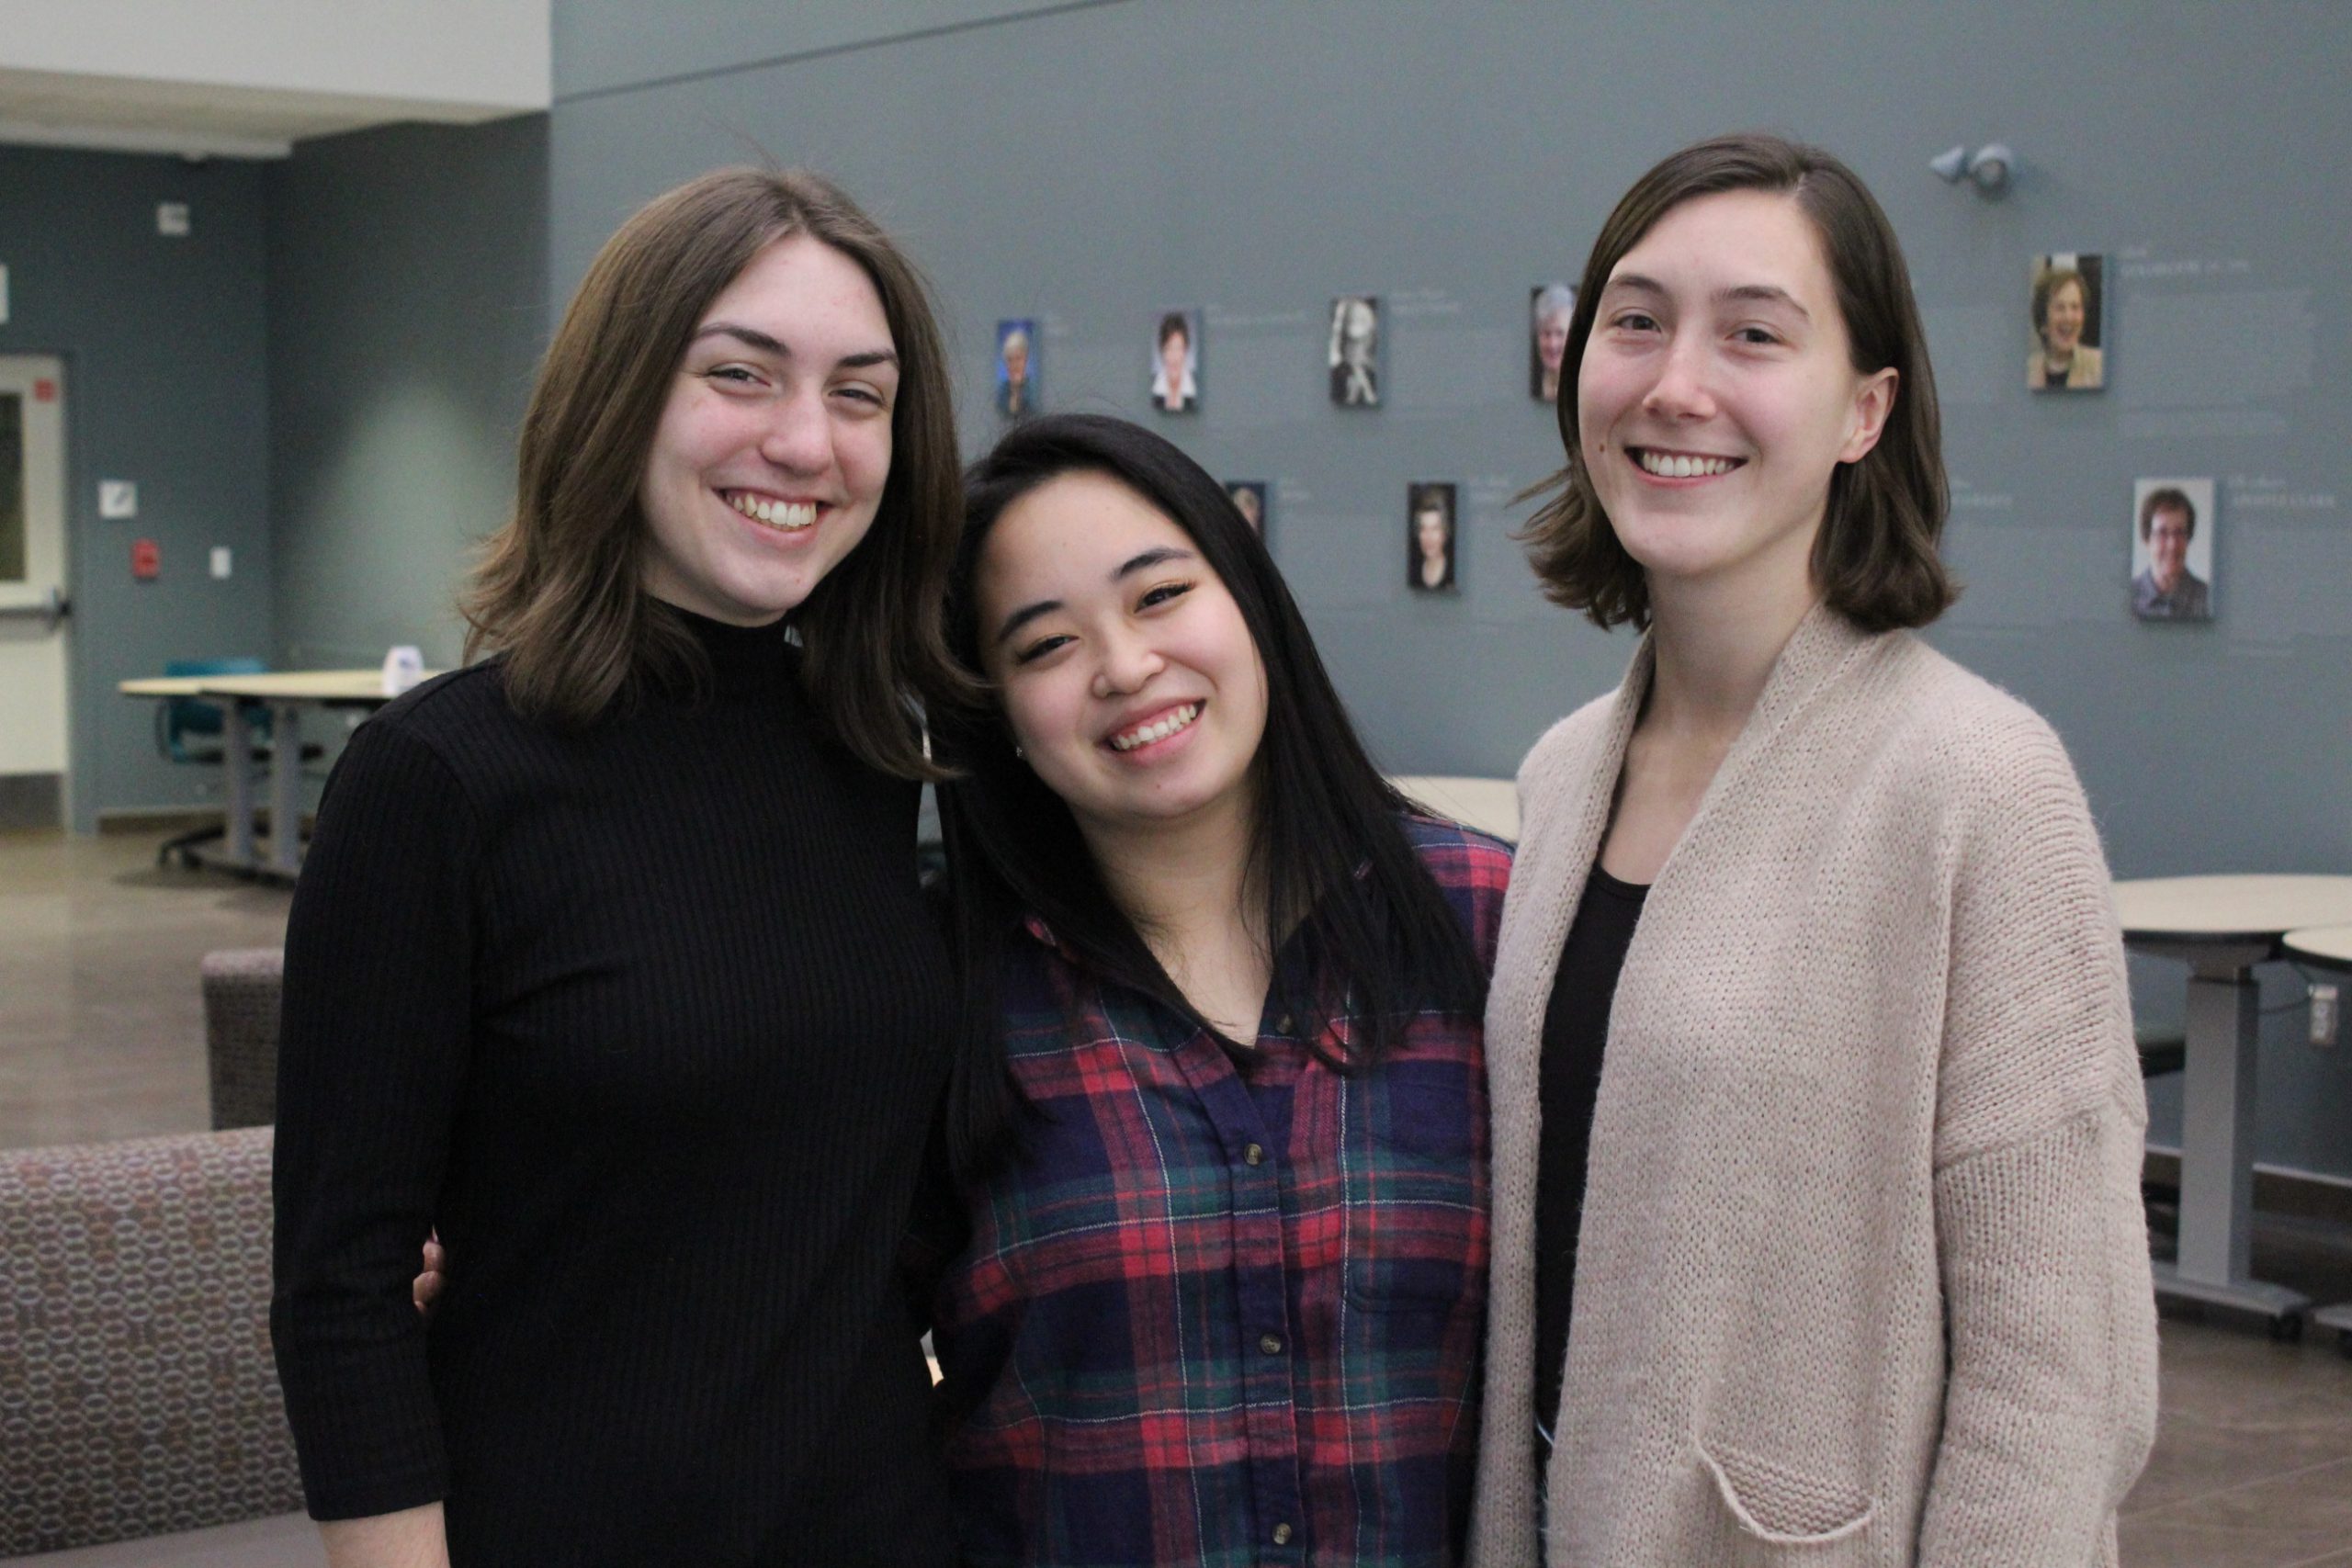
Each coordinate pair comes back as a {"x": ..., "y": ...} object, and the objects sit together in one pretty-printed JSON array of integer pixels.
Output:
[
  {"x": 372, "y": 1055},
  {"x": 2049, "y": 1401}
]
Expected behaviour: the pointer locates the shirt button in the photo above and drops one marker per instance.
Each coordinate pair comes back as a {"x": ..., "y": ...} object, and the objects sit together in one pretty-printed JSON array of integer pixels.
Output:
[
  {"x": 1281, "y": 1535},
  {"x": 1271, "y": 1344},
  {"x": 1282, "y": 1025},
  {"x": 1254, "y": 1154}
]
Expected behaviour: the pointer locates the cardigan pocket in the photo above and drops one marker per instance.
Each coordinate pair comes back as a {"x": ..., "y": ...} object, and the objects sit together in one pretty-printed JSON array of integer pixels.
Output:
[{"x": 1799, "y": 1517}]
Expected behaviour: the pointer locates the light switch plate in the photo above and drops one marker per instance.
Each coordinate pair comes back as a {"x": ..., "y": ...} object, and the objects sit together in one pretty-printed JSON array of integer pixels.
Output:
[
  {"x": 118, "y": 498},
  {"x": 220, "y": 560}
]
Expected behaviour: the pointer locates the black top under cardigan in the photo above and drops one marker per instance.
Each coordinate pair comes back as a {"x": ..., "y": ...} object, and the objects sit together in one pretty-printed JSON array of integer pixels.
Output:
[
  {"x": 1575, "y": 1036},
  {"x": 650, "y": 1021}
]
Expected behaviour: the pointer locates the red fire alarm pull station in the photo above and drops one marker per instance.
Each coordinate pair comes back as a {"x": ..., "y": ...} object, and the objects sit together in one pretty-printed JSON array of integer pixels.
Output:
[
  {"x": 44, "y": 390},
  {"x": 146, "y": 560}
]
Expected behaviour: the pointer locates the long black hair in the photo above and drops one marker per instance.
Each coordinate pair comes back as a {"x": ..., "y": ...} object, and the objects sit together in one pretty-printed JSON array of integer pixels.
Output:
[{"x": 1329, "y": 854}]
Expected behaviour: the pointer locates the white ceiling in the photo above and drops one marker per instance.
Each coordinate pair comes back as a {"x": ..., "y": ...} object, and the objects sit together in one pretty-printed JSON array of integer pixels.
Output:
[
  {"x": 119, "y": 114},
  {"x": 249, "y": 78}
]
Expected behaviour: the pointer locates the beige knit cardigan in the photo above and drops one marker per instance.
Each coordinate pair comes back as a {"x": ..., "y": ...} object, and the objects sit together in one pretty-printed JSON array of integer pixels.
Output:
[{"x": 1869, "y": 1082}]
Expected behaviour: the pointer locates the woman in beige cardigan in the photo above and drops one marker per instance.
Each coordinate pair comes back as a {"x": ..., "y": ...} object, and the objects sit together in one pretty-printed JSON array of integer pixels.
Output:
[{"x": 1852, "y": 1268}]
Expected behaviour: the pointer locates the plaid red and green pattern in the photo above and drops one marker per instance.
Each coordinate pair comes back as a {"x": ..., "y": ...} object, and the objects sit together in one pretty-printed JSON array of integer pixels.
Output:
[{"x": 1226, "y": 1315}]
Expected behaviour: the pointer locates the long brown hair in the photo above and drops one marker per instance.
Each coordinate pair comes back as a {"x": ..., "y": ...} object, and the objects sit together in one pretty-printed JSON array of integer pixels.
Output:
[
  {"x": 1875, "y": 558},
  {"x": 559, "y": 591}
]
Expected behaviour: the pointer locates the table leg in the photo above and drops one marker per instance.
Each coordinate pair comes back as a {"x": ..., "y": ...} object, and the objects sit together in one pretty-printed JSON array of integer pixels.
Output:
[
  {"x": 2339, "y": 1318},
  {"x": 286, "y": 788},
  {"x": 237, "y": 840},
  {"x": 2217, "y": 1152}
]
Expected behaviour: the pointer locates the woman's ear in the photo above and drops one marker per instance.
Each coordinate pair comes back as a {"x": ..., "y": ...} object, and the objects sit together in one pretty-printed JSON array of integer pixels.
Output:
[{"x": 1873, "y": 401}]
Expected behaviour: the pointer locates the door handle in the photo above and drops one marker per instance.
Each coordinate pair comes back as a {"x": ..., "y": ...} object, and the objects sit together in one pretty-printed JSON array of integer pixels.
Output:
[{"x": 52, "y": 608}]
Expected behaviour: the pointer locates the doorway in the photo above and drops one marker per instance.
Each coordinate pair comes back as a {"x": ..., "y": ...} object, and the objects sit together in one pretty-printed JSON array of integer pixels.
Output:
[{"x": 33, "y": 607}]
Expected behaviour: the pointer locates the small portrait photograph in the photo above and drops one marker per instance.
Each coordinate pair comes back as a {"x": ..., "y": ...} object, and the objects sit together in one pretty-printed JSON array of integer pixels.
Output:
[
  {"x": 1249, "y": 499},
  {"x": 1176, "y": 362},
  {"x": 1016, "y": 368},
  {"x": 1549, "y": 307},
  {"x": 1354, "y": 356},
  {"x": 2063, "y": 355},
  {"x": 2172, "y": 549},
  {"x": 1428, "y": 539}
]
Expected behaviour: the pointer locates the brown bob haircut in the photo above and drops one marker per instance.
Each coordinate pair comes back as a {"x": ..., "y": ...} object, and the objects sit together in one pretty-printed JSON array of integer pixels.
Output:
[
  {"x": 2167, "y": 498},
  {"x": 1875, "y": 558},
  {"x": 557, "y": 591}
]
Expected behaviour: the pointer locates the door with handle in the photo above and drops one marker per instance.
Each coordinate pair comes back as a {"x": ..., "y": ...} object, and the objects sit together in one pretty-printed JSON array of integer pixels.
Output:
[{"x": 33, "y": 620}]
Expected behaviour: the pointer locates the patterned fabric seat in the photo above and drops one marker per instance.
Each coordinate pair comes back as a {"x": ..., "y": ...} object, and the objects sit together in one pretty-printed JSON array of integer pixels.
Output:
[
  {"x": 136, "y": 1392},
  {"x": 241, "y": 987}
]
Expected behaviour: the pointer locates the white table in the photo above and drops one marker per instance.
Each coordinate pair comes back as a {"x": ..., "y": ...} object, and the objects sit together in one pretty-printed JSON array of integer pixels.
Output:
[
  {"x": 1491, "y": 805},
  {"x": 2222, "y": 927},
  {"x": 286, "y": 694},
  {"x": 2326, "y": 947}
]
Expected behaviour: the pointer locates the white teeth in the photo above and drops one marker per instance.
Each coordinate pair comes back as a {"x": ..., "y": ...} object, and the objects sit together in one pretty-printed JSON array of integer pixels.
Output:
[
  {"x": 786, "y": 515},
  {"x": 1669, "y": 466},
  {"x": 1158, "y": 729}
]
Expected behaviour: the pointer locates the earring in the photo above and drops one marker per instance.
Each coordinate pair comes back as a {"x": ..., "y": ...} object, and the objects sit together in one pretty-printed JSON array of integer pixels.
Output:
[{"x": 1019, "y": 753}]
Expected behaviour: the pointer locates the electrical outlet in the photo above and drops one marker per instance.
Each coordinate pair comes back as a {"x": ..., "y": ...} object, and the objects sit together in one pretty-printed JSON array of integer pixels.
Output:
[{"x": 2324, "y": 1013}]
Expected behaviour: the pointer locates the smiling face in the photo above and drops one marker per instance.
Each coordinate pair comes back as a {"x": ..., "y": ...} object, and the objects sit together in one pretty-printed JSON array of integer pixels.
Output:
[
  {"x": 2061, "y": 317},
  {"x": 1127, "y": 674},
  {"x": 2169, "y": 532},
  {"x": 770, "y": 459},
  {"x": 1717, "y": 396}
]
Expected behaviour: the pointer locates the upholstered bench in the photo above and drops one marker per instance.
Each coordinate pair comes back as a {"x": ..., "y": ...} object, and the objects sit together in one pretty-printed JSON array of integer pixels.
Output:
[
  {"x": 241, "y": 990},
  {"x": 137, "y": 1398}
]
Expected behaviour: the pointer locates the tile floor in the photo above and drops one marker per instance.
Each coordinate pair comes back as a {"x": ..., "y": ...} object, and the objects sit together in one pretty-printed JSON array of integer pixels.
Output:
[{"x": 102, "y": 1036}]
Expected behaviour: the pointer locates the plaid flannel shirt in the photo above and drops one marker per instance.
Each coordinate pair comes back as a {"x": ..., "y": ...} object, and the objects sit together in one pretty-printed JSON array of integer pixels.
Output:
[{"x": 1222, "y": 1316}]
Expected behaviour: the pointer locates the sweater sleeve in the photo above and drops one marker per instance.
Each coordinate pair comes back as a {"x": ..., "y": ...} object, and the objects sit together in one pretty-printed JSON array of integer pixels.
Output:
[
  {"x": 2050, "y": 1399},
  {"x": 373, "y": 1048}
]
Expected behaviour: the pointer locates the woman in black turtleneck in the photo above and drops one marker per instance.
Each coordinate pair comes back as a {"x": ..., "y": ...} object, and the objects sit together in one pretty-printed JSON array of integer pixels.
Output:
[{"x": 608, "y": 958}]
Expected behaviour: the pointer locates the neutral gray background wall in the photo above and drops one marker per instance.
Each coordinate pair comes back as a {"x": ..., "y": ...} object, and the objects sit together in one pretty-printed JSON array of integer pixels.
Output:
[
  {"x": 1092, "y": 164},
  {"x": 407, "y": 296},
  {"x": 165, "y": 345}
]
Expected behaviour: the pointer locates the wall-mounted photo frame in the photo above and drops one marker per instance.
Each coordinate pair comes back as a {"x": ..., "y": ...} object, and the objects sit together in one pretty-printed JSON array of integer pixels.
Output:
[
  {"x": 1019, "y": 369},
  {"x": 1354, "y": 354},
  {"x": 1254, "y": 500},
  {"x": 2064, "y": 315},
  {"x": 1549, "y": 306},
  {"x": 2172, "y": 549},
  {"x": 1176, "y": 361},
  {"x": 1430, "y": 536}
]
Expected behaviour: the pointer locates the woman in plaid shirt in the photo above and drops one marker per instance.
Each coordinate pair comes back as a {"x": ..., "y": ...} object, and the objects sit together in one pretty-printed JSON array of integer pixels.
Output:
[{"x": 1219, "y": 1221}]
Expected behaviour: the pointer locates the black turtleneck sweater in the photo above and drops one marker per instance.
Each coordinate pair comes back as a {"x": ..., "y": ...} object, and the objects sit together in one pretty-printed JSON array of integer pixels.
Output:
[{"x": 650, "y": 1021}]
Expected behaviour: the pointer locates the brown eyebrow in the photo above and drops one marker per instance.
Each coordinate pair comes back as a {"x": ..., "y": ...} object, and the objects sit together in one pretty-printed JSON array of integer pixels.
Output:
[
  {"x": 1143, "y": 561},
  {"x": 1761, "y": 293},
  {"x": 751, "y": 337}
]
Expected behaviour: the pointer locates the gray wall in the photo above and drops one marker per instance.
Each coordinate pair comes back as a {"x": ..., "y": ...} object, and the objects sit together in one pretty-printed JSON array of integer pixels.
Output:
[
  {"x": 164, "y": 341},
  {"x": 604, "y": 46},
  {"x": 1092, "y": 164},
  {"x": 407, "y": 286}
]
